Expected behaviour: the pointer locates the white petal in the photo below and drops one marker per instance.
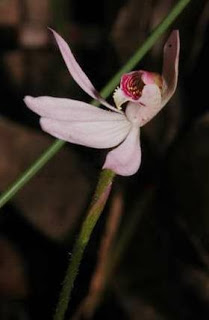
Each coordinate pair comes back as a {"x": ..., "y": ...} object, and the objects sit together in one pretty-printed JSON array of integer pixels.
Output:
[
  {"x": 77, "y": 73},
  {"x": 125, "y": 160},
  {"x": 68, "y": 109},
  {"x": 96, "y": 134}
]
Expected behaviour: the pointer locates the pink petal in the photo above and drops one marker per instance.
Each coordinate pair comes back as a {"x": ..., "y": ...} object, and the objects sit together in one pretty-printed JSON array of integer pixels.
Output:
[
  {"x": 71, "y": 110},
  {"x": 170, "y": 66},
  {"x": 77, "y": 73},
  {"x": 150, "y": 105},
  {"x": 125, "y": 160},
  {"x": 93, "y": 133}
]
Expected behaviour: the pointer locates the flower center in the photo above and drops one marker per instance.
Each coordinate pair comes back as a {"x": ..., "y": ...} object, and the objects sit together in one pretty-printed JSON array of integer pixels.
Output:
[{"x": 132, "y": 85}]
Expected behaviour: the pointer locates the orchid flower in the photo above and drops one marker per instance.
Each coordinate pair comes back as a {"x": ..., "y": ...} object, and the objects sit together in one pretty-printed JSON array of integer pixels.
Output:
[{"x": 140, "y": 96}]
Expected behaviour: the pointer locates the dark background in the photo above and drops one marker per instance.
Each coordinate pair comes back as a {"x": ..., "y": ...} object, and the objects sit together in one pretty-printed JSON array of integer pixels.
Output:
[{"x": 163, "y": 271}]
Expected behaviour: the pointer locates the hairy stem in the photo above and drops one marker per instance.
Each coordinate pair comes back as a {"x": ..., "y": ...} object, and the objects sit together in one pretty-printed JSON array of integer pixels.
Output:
[{"x": 99, "y": 200}]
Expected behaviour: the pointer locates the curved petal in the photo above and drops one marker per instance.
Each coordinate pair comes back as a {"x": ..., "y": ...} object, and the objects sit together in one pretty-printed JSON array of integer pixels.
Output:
[
  {"x": 170, "y": 66},
  {"x": 125, "y": 160},
  {"x": 150, "y": 105},
  {"x": 96, "y": 134},
  {"x": 77, "y": 73},
  {"x": 69, "y": 110}
]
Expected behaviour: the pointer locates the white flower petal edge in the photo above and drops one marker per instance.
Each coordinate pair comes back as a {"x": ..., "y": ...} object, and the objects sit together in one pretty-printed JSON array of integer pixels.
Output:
[
  {"x": 77, "y": 73},
  {"x": 68, "y": 109},
  {"x": 125, "y": 160},
  {"x": 95, "y": 134}
]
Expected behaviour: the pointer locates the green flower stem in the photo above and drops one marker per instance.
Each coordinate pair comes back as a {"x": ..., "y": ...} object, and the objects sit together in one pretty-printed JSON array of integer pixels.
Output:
[
  {"x": 56, "y": 146},
  {"x": 99, "y": 200}
]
